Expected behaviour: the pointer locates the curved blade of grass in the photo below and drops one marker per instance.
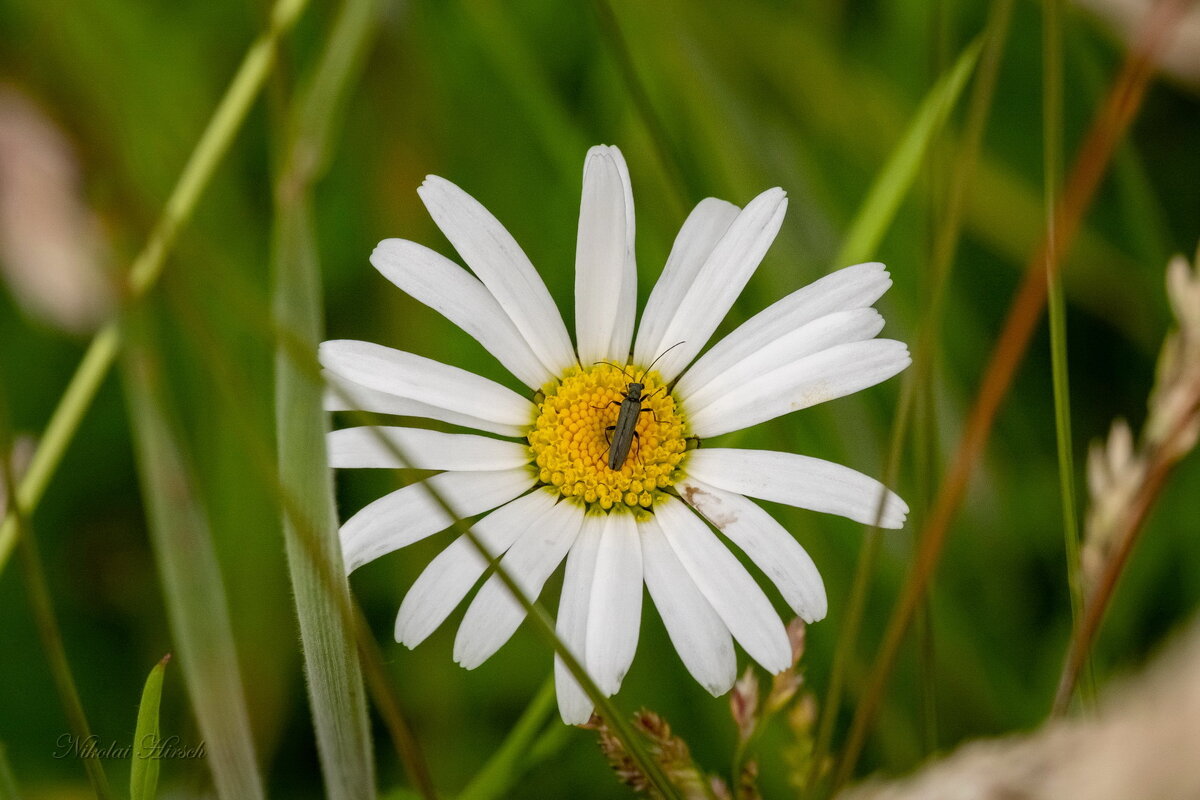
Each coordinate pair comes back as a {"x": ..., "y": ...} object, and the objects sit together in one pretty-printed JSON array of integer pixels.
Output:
[
  {"x": 143, "y": 772},
  {"x": 334, "y": 674},
  {"x": 224, "y": 124},
  {"x": 897, "y": 177},
  {"x": 191, "y": 579}
]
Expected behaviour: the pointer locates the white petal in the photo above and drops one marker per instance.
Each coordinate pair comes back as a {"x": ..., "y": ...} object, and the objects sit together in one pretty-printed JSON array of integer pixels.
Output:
[
  {"x": 799, "y": 481},
  {"x": 829, "y": 374},
  {"x": 574, "y": 606},
  {"x": 721, "y": 279},
  {"x": 344, "y": 395},
  {"x": 425, "y": 380},
  {"x": 605, "y": 271},
  {"x": 459, "y": 296},
  {"x": 699, "y": 635},
  {"x": 700, "y": 233},
  {"x": 421, "y": 449},
  {"x": 495, "y": 614},
  {"x": 765, "y": 541},
  {"x": 494, "y": 256},
  {"x": 616, "y": 605},
  {"x": 445, "y": 582},
  {"x": 847, "y": 289},
  {"x": 726, "y": 584},
  {"x": 410, "y": 514},
  {"x": 840, "y": 327}
]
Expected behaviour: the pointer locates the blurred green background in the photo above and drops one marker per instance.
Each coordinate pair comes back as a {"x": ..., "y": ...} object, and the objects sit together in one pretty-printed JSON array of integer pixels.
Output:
[{"x": 504, "y": 99}]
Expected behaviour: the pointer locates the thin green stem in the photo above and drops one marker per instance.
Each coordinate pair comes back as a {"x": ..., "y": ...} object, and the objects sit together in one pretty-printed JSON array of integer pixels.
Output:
[
  {"x": 502, "y": 770},
  {"x": 46, "y": 621},
  {"x": 214, "y": 143},
  {"x": 1052, "y": 123},
  {"x": 859, "y": 590},
  {"x": 924, "y": 426},
  {"x": 945, "y": 247}
]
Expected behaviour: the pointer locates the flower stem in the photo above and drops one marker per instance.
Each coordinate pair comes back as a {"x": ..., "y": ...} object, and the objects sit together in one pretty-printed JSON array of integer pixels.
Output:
[
  {"x": 498, "y": 775},
  {"x": 1052, "y": 84}
]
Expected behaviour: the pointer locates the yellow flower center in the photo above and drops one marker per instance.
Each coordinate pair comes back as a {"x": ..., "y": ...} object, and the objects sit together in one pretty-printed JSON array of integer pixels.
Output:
[{"x": 571, "y": 440}]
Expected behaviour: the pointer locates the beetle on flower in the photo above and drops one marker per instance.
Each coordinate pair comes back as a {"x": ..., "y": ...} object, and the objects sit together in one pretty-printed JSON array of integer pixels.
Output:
[{"x": 547, "y": 487}]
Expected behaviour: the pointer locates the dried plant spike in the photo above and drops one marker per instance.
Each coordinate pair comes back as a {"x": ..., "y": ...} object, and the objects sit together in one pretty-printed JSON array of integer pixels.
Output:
[
  {"x": 1115, "y": 471},
  {"x": 1183, "y": 291},
  {"x": 1125, "y": 477},
  {"x": 797, "y": 630},
  {"x": 747, "y": 788},
  {"x": 743, "y": 704},
  {"x": 669, "y": 751}
]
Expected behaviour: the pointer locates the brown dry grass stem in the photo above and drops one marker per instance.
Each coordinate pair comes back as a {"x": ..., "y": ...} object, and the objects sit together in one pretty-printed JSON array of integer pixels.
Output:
[{"x": 1110, "y": 124}]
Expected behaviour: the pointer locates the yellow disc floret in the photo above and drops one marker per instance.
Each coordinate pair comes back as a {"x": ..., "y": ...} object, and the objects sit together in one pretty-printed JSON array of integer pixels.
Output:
[{"x": 570, "y": 439}]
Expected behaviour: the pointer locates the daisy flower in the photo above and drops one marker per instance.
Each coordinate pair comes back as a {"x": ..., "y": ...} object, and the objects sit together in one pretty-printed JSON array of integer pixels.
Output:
[{"x": 543, "y": 479}]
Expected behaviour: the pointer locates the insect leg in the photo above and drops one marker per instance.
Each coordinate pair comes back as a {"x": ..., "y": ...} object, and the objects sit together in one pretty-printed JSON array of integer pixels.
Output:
[{"x": 650, "y": 411}]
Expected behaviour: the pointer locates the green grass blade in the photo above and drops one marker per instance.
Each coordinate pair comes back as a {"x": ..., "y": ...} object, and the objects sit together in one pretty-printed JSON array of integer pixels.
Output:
[
  {"x": 214, "y": 143},
  {"x": 499, "y": 776},
  {"x": 877, "y": 211},
  {"x": 1052, "y": 148},
  {"x": 191, "y": 580},
  {"x": 336, "y": 691},
  {"x": 143, "y": 772},
  {"x": 335, "y": 686}
]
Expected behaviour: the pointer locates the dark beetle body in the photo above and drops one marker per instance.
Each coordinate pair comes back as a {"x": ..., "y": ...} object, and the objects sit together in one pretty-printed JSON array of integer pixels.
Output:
[{"x": 625, "y": 429}]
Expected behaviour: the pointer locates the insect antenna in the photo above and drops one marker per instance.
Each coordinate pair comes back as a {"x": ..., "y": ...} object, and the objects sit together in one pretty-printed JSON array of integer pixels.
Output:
[
  {"x": 660, "y": 355},
  {"x": 624, "y": 370}
]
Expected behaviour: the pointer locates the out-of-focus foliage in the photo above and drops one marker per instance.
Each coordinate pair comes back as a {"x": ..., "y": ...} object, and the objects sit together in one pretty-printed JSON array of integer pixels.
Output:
[{"x": 504, "y": 99}]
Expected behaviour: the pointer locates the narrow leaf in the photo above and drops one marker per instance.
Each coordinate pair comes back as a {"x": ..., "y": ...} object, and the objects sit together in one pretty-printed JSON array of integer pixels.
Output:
[
  {"x": 335, "y": 682},
  {"x": 143, "y": 777},
  {"x": 879, "y": 209},
  {"x": 191, "y": 580}
]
